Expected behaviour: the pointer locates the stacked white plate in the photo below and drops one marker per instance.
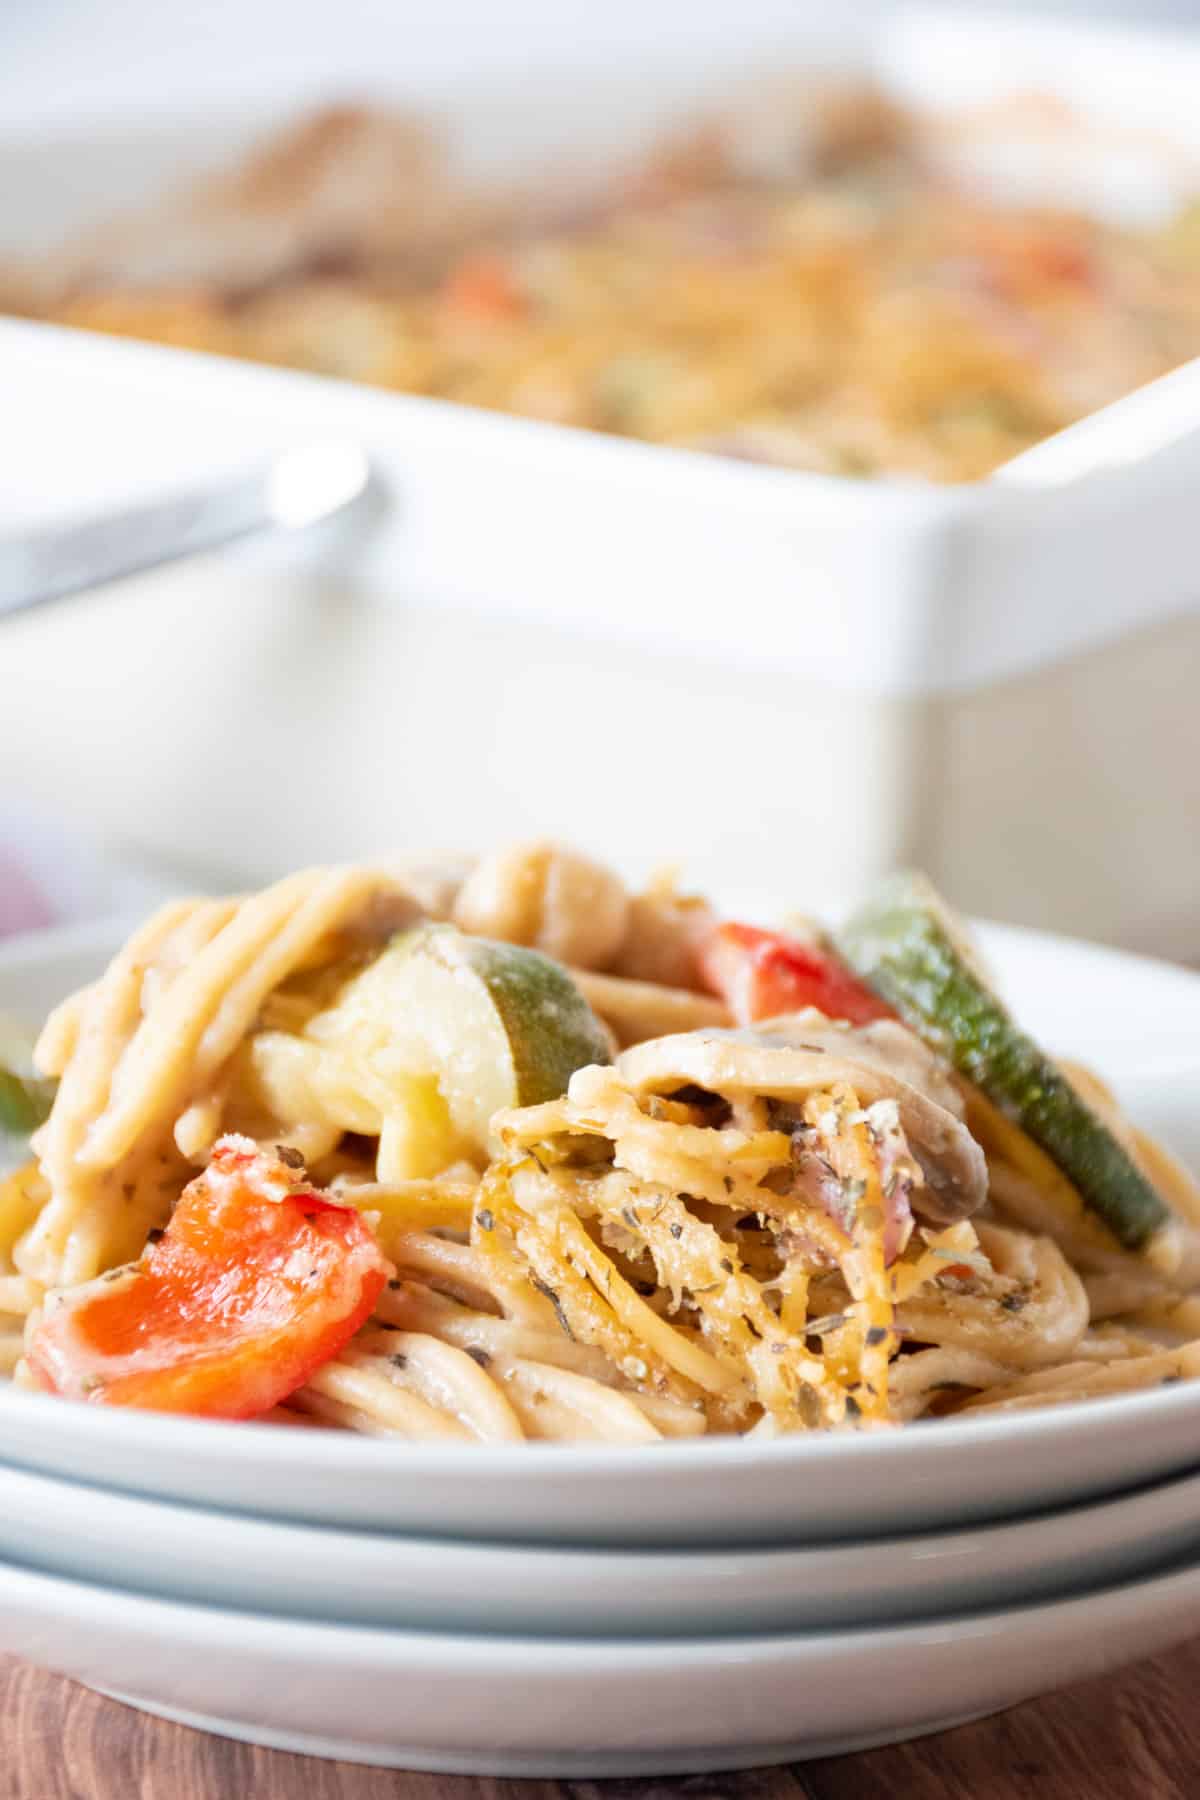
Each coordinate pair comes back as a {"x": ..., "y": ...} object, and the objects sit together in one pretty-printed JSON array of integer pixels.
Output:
[{"x": 569, "y": 1611}]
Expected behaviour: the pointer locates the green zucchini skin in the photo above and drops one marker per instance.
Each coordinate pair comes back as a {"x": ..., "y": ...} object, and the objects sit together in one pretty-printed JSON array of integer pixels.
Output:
[
  {"x": 535, "y": 998},
  {"x": 903, "y": 942},
  {"x": 24, "y": 1102}
]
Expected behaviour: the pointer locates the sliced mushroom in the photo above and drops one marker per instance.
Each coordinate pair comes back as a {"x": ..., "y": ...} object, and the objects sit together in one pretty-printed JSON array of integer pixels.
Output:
[
  {"x": 886, "y": 1045},
  {"x": 803, "y": 1053}
]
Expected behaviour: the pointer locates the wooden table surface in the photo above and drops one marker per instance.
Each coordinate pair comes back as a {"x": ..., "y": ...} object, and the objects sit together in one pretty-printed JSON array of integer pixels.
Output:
[{"x": 1134, "y": 1736}]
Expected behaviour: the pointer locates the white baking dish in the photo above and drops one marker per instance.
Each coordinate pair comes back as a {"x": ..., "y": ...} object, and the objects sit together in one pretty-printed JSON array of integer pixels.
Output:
[{"x": 663, "y": 653}]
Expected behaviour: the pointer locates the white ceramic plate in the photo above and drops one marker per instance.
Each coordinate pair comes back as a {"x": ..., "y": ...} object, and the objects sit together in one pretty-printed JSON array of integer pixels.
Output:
[
  {"x": 553, "y": 1707},
  {"x": 726, "y": 1491},
  {"x": 382, "y": 1578},
  {"x": 1138, "y": 1020}
]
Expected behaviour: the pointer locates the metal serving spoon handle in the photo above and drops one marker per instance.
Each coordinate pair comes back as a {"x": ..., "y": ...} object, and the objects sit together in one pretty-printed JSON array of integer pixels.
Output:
[{"x": 297, "y": 487}]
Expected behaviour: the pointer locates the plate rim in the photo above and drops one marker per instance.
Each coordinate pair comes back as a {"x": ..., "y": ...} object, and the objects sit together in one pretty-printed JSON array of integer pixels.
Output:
[
  {"x": 956, "y": 1537},
  {"x": 543, "y": 1654}
]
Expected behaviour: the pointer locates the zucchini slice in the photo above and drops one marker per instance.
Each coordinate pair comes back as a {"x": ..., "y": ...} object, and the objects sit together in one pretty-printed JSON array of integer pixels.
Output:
[
  {"x": 25, "y": 1101},
  {"x": 907, "y": 944},
  {"x": 25, "y": 1098},
  {"x": 433, "y": 1038}
]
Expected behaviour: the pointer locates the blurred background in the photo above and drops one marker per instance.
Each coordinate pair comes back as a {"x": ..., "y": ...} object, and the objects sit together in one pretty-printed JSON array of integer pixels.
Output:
[
  {"x": 784, "y": 688},
  {"x": 61, "y": 56},
  {"x": 68, "y": 54}
]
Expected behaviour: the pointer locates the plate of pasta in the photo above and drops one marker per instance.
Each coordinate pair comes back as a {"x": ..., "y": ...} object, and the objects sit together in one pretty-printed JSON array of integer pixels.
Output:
[{"x": 330, "y": 1194}]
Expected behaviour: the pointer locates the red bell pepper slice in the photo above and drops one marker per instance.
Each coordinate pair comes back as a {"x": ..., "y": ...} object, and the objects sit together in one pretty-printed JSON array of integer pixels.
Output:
[
  {"x": 759, "y": 974},
  {"x": 256, "y": 1282}
]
